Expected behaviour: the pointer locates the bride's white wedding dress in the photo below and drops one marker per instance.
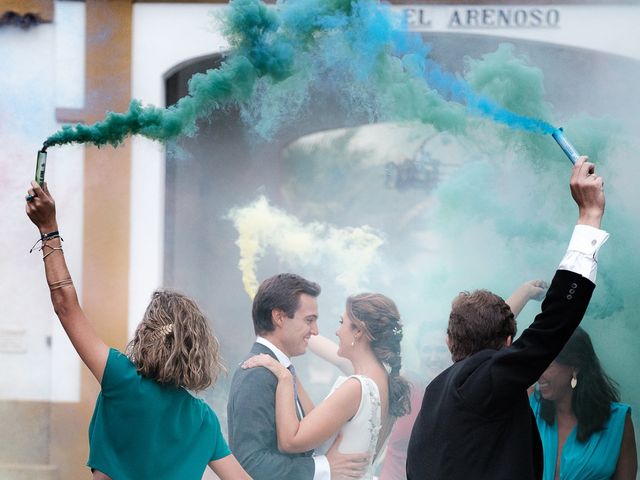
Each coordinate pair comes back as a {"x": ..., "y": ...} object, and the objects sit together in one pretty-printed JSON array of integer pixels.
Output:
[{"x": 360, "y": 434}]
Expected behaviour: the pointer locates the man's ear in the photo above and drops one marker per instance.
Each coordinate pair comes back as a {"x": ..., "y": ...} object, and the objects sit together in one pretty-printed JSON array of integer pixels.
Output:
[
  {"x": 448, "y": 341},
  {"x": 277, "y": 317},
  {"x": 508, "y": 341}
]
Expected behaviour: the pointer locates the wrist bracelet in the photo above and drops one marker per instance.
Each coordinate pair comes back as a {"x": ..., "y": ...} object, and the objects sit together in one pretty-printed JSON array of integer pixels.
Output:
[
  {"x": 53, "y": 249},
  {"x": 60, "y": 282},
  {"x": 45, "y": 236}
]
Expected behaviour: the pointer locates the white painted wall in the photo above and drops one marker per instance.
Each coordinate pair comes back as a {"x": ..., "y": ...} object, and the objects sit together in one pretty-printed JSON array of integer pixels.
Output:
[
  {"x": 164, "y": 35},
  {"x": 42, "y": 69}
]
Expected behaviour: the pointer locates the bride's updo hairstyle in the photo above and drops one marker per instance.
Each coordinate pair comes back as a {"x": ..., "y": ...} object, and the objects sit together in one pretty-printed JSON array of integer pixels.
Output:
[{"x": 378, "y": 316}]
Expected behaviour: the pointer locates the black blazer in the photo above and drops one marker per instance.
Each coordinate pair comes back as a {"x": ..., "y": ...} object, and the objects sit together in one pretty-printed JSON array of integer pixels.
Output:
[
  {"x": 251, "y": 420},
  {"x": 475, "y": 422}
]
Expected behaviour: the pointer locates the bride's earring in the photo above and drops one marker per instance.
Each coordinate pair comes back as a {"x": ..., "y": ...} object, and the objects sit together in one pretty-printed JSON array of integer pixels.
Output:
[{"x": 574, "y": 381}]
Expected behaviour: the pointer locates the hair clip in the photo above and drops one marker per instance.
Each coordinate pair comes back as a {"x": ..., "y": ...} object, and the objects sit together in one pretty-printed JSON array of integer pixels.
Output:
[{"x": 163, "y": 331}]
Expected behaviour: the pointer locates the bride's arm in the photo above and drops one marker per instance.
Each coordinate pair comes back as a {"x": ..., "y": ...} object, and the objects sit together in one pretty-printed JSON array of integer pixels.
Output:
[
  {"x": 328, "y": 350},
  {"x": 326, "y": 419},
  {"x": 321, "y": 423}
]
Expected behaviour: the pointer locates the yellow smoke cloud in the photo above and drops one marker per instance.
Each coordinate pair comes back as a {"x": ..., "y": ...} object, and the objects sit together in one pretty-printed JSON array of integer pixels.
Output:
[{"x": 346, "y": 252}]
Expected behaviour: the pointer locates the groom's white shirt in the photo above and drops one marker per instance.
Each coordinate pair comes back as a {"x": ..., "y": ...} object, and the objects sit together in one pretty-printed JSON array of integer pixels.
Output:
[{"x": 322, "y": 469}]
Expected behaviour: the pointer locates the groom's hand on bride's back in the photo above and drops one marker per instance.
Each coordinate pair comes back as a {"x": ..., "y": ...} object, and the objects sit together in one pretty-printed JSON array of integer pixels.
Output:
[{"x": 346, "y": 465}]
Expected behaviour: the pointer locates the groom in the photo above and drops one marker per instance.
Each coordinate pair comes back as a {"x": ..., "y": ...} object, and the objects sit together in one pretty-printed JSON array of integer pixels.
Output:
[{"x": 285, "y": 315}]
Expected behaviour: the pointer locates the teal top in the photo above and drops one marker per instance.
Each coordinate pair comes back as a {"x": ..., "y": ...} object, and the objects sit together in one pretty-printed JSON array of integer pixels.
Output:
[
  {"x": 142, "y": 429},
  {"x": 595, "y": 459}
]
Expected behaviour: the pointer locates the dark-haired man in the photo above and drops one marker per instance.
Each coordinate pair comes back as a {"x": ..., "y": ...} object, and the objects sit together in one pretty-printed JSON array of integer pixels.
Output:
[
  {"x": 285, "y": 315},
  {"x": 475, "y": 421}
]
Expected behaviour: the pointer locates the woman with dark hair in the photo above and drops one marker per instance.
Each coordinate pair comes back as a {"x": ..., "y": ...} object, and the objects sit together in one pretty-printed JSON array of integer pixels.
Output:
[
  {"x": 361, "y": 407},
  {"x": 586, "y": 433}
]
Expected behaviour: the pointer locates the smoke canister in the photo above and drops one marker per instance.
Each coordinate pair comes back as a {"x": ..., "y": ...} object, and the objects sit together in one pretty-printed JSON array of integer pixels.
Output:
[
  {"x": 567, "y": 148},
  {"x": 41, "y": 164}
]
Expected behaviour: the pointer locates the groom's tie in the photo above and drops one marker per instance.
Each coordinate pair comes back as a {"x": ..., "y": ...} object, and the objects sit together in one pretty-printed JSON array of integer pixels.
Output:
[{"x": 299, "y": 410}]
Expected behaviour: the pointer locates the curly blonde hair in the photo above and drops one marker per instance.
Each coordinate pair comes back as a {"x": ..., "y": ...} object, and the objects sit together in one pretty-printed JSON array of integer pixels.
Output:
[{"x": 173, "y": 344}]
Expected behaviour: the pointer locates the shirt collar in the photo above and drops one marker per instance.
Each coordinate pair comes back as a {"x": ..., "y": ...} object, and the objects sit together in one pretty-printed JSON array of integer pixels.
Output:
[{"x": 282, "y": 358}]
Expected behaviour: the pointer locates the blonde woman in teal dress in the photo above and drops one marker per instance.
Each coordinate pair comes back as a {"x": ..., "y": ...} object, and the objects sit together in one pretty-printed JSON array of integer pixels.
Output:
[
  {"x": 586, "y": 433},
  {"x": 145, "y": 425}
]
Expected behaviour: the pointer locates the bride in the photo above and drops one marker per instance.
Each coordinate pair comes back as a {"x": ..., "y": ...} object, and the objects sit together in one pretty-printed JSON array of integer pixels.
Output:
[{"x": 361, "y": 407}]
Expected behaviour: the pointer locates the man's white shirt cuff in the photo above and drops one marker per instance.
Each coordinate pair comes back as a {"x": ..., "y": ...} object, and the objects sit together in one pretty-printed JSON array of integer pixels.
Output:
[
  {"x": 323, "y": 470},
  {"x": 582, "y": 253}
]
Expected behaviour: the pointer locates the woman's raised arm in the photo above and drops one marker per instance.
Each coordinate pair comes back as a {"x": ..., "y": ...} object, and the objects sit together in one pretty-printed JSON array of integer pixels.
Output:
[
  {"x": 328, "y": 350},
  {"x": 41, "y": 210},
  {"x": 531, "y": 290}
]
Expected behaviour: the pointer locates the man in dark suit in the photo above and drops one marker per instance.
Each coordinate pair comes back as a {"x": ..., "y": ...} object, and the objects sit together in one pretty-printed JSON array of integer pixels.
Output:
[
  {"x": 475, "y": 422},
  {"x": 285, "y": 315}
]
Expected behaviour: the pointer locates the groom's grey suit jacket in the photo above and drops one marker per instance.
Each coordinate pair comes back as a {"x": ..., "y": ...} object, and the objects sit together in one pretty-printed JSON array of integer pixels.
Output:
[{"x": 252, "y": 426}]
